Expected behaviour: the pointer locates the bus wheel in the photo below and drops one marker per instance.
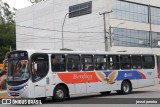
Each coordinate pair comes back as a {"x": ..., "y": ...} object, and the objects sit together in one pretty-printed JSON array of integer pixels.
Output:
[
  {"x": 59, "y": 93},
  {"x": 125, "y": 88},
  {"x": 105, "y": 93}
]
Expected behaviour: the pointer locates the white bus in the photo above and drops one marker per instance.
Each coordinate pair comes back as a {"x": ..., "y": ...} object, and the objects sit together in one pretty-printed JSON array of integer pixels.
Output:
[{"x": 61, "y": 74}]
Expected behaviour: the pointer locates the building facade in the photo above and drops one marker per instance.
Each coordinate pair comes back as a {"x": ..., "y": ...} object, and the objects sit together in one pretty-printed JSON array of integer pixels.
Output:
[{"x": 131, "y": 25}]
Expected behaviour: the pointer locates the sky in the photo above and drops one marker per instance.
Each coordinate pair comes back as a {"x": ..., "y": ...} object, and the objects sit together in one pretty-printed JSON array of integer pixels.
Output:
[{"x": 18, "y": 4}]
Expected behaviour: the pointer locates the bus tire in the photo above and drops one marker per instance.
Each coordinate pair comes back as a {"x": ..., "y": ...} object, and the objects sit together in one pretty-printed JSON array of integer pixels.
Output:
[
  {"x": 125, "y": 88},
  {"x": 59, "y": 93},
  {"x": 105, "y": 93}
]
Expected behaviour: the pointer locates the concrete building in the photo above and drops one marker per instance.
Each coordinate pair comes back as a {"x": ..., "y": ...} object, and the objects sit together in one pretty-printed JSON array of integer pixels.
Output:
[{"x": 133, "y": 25}]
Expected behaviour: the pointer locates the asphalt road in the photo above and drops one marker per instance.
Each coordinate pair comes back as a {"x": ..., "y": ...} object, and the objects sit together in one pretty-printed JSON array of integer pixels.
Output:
[{"x": 90, "y": 100}]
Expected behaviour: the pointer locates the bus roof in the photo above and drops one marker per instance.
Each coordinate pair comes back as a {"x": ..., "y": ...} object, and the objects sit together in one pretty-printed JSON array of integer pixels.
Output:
[{"x": 79, "y": 52}]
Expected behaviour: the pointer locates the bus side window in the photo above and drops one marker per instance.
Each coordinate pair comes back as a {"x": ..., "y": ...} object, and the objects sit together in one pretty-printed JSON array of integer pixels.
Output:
[
  {"x": 58, "y": 63},
  {"x": 73, "y": 62},
  {"x": 113, "y": 62},
  {"x": 136, "y": 62},
  {"x": 148, "y": 61},
  {"x": 87, "y": 62},
  {"x": 100, "y": 62},
  {"x": 125, "y": 62}
]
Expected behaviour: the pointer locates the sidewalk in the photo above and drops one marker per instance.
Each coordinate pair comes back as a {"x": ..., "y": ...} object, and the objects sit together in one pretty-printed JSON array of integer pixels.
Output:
[
  {"x": 4, "y": 91},
  {"x": 3, "y": 94}
]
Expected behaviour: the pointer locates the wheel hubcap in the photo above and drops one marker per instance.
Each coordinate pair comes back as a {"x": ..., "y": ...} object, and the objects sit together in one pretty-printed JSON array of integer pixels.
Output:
[
  {"x": 126, "y": 88},
  {"x": 60, "y": 94}
]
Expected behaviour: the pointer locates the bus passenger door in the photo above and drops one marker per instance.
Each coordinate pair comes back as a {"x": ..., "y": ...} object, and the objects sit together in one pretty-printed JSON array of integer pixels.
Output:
[
  {"x": 40, "y": 68},
  {"x": 148, "y": 71},
  {"x": 39, "y": 91}
]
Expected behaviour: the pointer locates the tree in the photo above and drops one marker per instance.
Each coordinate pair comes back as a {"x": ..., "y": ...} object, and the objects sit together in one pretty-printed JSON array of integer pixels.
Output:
[
  {"x": 7, "y": 29},
  {"x": 35, "y": 1},
  {"x": 6, "y": 12},
  {"x": 7, "y": 38},
  {"x": 4, "y": 85}
]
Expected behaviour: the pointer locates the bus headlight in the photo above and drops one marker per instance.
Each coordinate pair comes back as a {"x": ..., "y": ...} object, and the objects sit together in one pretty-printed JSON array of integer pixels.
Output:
[{"x": 26, "y": 86}]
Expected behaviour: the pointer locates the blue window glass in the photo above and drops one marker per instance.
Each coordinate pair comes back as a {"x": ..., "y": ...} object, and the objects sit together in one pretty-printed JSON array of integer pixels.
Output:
[
  {"x": 130, "y": 11},
  {"x": 134, "y": 38}
]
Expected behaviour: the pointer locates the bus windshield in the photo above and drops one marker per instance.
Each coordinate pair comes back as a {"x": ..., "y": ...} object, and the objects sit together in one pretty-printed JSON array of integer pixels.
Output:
[
  {"x": 17, "y": 70},
  {"x": 18, "y": 67}
]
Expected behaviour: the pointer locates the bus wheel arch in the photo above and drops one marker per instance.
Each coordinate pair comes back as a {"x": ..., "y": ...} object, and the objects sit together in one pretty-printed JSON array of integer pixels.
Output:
[
  {"x": 63, "y": 89},
  {"x": 126, "y": 87}
]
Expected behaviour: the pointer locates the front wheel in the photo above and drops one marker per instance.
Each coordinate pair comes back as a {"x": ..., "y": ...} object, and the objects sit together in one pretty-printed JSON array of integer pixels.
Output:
[
  {"x": 125, "y": 88},
  {"x": 59, "y": 93}
]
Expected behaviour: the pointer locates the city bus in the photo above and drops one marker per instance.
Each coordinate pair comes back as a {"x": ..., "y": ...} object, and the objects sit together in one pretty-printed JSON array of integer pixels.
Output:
[{"x": 62, "y": 74}]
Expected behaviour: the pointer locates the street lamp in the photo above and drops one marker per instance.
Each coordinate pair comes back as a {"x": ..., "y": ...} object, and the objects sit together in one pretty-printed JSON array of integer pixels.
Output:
[
  {"x": 105, "y": 36},
  {"x": 65, "y": 20},
  {"x": 63, "y": 28}
]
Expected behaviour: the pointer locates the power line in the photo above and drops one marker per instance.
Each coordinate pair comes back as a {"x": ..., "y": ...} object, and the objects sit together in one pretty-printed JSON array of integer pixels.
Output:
[
  {"x": 56, "y": 30},
  {"x": 73, "y": 40},
  {"x": 67, "y": 38}
]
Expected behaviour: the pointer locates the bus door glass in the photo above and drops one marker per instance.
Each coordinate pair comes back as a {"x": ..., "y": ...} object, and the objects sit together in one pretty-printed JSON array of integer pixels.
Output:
[
  {"x": 158, "y": 66},
  {"x": 148, "y": 63},
  {"x": 149, "y": 66}
]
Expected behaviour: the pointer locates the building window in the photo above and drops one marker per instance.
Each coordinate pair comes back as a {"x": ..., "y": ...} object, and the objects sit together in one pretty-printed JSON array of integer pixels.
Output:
[
  {"x": 58, "y": 63},
  {"x": 80, "y": 9},
  {"x": 155, "y": 15},
  {"x": 130, "y": 11},
  {"x": 130, "y": 37},
  {"x": 155, "y": 39},
  {"x": 73, "y": 62},
  {"x": 134, "y": 38},
  {"x": 87, "y": 62}
]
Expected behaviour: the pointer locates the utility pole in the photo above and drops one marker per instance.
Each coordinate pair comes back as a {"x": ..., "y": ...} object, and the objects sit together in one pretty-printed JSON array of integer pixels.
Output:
[
  {"x": 107, "y": 45},
  {"x": 110, "y": 35},
  {"x": 150, "y": 25}
]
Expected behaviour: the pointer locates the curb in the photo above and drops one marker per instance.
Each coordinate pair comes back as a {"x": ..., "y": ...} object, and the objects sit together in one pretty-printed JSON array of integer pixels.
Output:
[{"x": 4, "y": 91}]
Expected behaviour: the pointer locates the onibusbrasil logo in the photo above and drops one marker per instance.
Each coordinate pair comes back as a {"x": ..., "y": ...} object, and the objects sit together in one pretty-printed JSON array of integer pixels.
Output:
[{"x": 21, "y": 101}]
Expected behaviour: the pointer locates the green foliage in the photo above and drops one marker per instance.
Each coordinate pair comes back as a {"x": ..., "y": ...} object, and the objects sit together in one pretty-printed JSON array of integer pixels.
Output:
[
  {"x": 6, "y": 12},
  {"x": 7, "y": 38},
  {"x": 7, "y": 34},
  {"x": 4, "y": 85},
  {"x": 3, "y": 51},
  {"x": 7, "y": 29}
]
